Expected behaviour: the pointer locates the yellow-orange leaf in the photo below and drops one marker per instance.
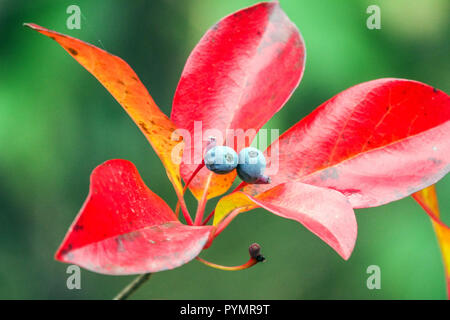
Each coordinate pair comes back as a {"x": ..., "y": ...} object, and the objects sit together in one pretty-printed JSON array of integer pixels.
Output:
[
  {"x": 234, "y": 201},
  {"x": 427, "y": 198},
  {"x": 124, "y": 85}
]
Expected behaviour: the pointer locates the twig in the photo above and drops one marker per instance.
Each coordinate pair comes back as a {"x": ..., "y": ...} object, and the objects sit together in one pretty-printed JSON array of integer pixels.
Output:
[{"x": 133, "y": 286}]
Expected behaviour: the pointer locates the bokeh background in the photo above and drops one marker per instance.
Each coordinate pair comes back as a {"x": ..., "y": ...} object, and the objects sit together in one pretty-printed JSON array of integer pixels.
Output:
[{"x": 57, "y": 123}]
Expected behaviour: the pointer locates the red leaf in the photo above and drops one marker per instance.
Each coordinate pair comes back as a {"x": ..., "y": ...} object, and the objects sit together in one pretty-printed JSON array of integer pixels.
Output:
[
  {"x": 125, "y": 228},
  {"x": 124, "y": 85},
  {"x": 325, "y": 212},
  {"x": 427, "y": 199},
  {"x": 376, "y": 142},
  {"x": 238, "y": 76}
]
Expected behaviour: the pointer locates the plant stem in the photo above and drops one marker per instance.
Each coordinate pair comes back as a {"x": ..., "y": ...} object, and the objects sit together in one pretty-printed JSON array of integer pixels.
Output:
[
  {"x": 239, "y": 187},
  {"x": 221, "y": 226},
  {"x": 133, "y": 286},
  {"x": 202, "y": 202},
  {"x": 208, "y": 217},
  {"x": 225, "y": 222},
  {"x": 248, "y": 264},
  {"x": 177, "y": 208},
  {"x": 185, "y": 211}
]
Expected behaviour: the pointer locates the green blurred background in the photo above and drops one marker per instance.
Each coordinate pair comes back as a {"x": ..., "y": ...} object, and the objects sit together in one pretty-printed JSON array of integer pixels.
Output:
[{"x": 57, "y": 123}]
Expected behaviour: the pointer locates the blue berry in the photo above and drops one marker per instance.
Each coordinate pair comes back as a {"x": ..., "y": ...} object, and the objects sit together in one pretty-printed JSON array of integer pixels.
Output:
[
  {"x": 252, "y": 164},
  {"x": 221, "y": 159}
]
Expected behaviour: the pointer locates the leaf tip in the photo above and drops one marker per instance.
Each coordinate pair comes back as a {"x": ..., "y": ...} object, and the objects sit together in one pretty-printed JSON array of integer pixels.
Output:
[{"x": 31, "y": 25}]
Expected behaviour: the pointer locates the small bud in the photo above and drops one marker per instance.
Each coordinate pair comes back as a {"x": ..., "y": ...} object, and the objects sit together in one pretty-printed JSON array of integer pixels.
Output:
[{"x": 255, "y": 252}]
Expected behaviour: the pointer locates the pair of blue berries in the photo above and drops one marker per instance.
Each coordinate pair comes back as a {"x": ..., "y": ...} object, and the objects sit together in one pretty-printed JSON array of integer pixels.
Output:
[{"x": 250, "y": 164}]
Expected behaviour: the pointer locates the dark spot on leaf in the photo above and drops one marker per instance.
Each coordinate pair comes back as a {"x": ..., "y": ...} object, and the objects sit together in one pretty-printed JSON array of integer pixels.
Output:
[
  {"x": 134, "y": 78},
  {"x": 435, "y": 161},
  {"x": 66, "y": 249},
  {"x": 72, "y": 51},
  {"x": 120, "y": 82},
  {"x": 144, "y": 127},
  {"x": 435, "y": 90},
  {"x": 78, "y": 227}
]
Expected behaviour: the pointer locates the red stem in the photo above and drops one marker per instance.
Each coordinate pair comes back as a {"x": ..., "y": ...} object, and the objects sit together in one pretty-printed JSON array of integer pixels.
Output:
[
  {"x": 225, "y": 222},
  {"x": 185, "y": 211},
  {"x": 221, "y": 226},
  {"x": 208, "y": 217},
  {"x": 239, "y": 187},
  {"x": 202, "y": 202},
  {"x": 177, "y": 208}
]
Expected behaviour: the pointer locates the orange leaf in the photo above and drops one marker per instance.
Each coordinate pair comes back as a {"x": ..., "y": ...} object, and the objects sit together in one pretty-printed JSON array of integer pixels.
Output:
[
  {"x": 124, "y": 85},
  {"x": 427, "y": 198}
]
